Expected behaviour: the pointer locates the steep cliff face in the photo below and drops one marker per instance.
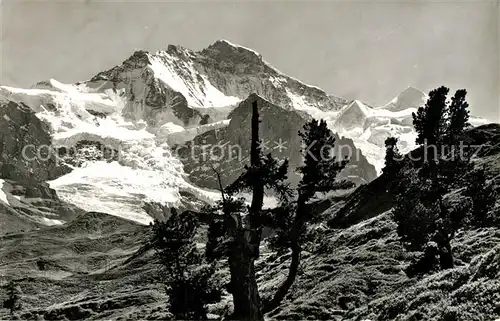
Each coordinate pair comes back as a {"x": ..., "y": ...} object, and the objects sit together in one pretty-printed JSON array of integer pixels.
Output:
[
  {"x": 239, "y": 71},
  {"x": 171, "y": 85},
  {"x": 26, "y": 163},
  {"x": 143, "y": 81},
  {"x": 227, "y": 149},
  {"x": 22, "y": 136}
]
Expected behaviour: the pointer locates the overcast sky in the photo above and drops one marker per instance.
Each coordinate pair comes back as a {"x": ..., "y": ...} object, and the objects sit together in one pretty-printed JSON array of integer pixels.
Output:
[{"x": 365, "y": 50}]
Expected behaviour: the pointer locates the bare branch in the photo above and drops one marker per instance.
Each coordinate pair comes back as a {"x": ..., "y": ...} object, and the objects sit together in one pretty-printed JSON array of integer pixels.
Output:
[{"x": 221, "y": 189}]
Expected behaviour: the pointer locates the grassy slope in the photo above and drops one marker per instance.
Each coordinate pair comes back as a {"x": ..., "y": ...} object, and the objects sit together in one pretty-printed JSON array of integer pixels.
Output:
[
  {"x": 88, "y": 274},
  {"x": 351, "y": 274},
  {"x": 357, "y": 274}
]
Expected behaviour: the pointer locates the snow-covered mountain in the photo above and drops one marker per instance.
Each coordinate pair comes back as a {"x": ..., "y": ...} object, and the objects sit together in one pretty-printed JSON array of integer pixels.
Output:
[
  {"x": 142, "y": 169},
  {"x": 122, "y": 123},
  {"x": 369, "y": 127},
  {"x": 410, "y": 98}
]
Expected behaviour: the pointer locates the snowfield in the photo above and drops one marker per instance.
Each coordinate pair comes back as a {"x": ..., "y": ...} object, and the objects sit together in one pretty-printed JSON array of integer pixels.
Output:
[
  {"x": 199, "y": 93},
  {"x": 369, "y": 127},
  {"x": 145, "y": 172},
  {"x": 3, "y": 196}
]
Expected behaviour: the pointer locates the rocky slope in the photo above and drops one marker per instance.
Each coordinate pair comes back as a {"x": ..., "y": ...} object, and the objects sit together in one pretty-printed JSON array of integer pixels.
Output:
[
  {"x": 70, "y": 271},
  {"x": 360, "y": 262},
  {"x": 26, "y": 200}
]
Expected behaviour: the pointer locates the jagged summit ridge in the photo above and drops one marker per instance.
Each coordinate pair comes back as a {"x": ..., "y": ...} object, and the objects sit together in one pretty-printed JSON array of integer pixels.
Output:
[
  {"x": 226, "y": 49},
  {"x": 220, "y": 75}
]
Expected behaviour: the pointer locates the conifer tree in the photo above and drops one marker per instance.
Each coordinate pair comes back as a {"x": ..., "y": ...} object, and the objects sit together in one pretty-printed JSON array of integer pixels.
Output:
[
  {"x": 319, "y": 175},
  {"x": 393, "y": 158},
  {"x": 13, "y": 298},
  {"x": 430, "y": 120},
  {"x": 423, "y": 212},
  {"x": 238, "y": 236},
  {"x": 458, "y": 116},
  {"x": 188, "y": 277},
  {"x": 482, "y": 196},
  {"x": 420, "y": 209}
]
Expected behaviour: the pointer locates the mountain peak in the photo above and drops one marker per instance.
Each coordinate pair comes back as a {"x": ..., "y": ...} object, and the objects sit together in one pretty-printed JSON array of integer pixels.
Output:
[
  {"x": 224, "y": 49},
  {"x": 411, "y": 97},
  {"x": 223, "y": 43},
  {"x": 412, "y": 90},
  {"x": 138, "y": 57},
  {"x": 180, "y": 51}
]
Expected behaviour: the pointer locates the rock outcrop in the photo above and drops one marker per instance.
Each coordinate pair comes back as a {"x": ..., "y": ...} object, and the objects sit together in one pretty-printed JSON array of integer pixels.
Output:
[{"x": 27, "y": 161}]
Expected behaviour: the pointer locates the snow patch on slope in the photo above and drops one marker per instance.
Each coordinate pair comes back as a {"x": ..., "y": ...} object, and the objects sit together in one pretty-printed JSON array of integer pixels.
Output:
[
  {"x": 369, "y": 127},
  {"x": 299, "y": 103},
  {"x": 239, "y": 46},
  {"x": 176, "y": 135},
  {"x": 195, "y": 87},
  {"x": 52, "y": 222},
  {"x": 354, "y": 116},
  {"x": 3, "y": 196},
  {"x": 146, "y": 170}
]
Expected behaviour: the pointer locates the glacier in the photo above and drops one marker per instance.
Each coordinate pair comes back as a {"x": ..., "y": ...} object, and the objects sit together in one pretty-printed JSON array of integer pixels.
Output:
[
  {"x": 368, "y": 127},
  {"x": 145, "y": 172}
]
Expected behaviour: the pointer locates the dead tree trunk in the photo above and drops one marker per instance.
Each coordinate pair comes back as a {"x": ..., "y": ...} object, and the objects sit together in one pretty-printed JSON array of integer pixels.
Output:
[
  {"x": 246, "y": 240},
  {"x": 246, "y": 298}
]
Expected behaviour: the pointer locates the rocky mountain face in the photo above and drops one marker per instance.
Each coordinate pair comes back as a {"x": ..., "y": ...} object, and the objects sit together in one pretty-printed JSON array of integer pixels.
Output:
[
  {"x": 178, "y": 80},
  {"x": 26, "y": 164},
  {"x": 227, "y": 149},
  {"x": 239, "y": 71},
  {"x": 22, "y": 135}
]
